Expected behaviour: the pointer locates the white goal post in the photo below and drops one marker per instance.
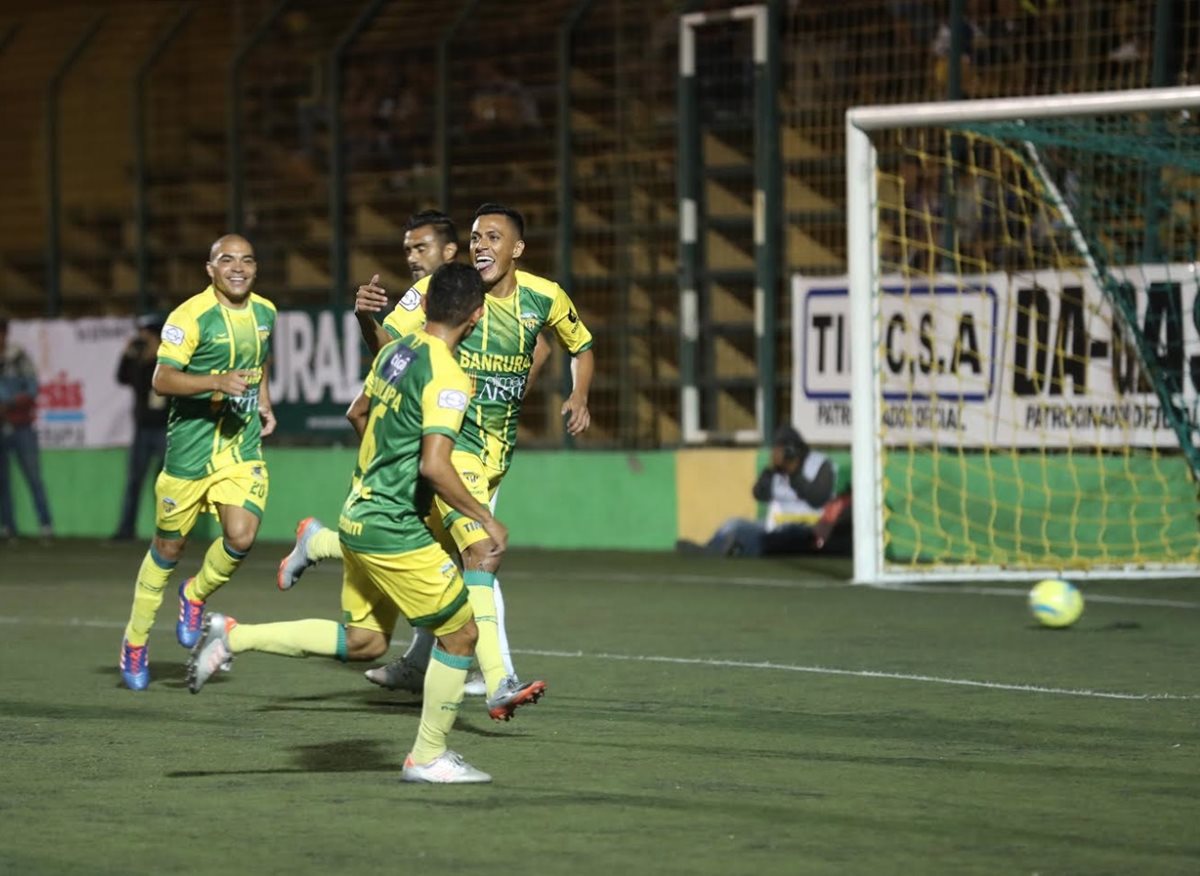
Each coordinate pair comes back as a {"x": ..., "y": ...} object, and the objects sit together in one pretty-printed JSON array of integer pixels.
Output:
[{"x": 866, "y": 281}]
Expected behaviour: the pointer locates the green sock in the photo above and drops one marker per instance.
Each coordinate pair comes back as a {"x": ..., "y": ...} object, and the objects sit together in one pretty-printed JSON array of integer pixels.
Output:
[
  {"x": 487, "y": 649},
  {"x": 220, "y": 562},
  {"x": 443, "y": 693},
  {"x": 302, "y": 638},
  {"x": 147, "y": 596},
  {"x": 325, "y": 545}
]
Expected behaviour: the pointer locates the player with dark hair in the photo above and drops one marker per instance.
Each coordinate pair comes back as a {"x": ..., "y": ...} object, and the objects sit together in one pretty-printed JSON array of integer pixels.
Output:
[
  {"x": 212, "y": 365},
  {"x": 498, "y": 357},
  {"x": 407, "y": 417}
]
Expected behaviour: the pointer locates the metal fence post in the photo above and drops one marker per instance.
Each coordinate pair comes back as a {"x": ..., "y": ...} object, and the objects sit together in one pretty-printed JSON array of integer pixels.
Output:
[
  {"x": 442, "y": 127},
  {"x": 53, "y": 181},
  {"x": 338, "y": 267},
  {"x": 141, "y": 254},
  {"x": 566, "y": 181},
  {"x": 233, "y": 125}
]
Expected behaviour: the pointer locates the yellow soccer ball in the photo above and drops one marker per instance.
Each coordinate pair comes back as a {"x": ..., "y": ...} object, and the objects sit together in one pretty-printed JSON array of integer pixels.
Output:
[{"x": 1055, "y": 603}]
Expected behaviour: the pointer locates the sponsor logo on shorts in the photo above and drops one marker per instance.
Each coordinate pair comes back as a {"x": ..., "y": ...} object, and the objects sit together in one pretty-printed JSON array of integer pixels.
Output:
[
  {"x": 257, "y": 471},
  {"x": 169, "y": 504},
  {"x": 452, "y": 400},
  {"x": 172, "y": 334}
]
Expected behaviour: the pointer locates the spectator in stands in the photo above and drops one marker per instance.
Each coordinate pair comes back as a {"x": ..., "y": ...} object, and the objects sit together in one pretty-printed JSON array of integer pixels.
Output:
[
  {"x": 1127, "y": 61},
  {"x": 136, "y": 370},
  {"x": 18, "y": 404},
  {"x": 500, "y": 100},
  {"x": 803, "y": 514}
]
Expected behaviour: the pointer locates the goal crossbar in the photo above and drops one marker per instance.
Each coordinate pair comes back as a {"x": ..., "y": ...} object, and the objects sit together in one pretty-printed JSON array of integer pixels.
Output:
[{"x": 863, "y": 269}]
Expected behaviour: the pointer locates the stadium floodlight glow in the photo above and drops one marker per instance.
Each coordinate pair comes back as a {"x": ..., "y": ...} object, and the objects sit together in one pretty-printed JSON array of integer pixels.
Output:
[{"x": 1052, "y": 248}]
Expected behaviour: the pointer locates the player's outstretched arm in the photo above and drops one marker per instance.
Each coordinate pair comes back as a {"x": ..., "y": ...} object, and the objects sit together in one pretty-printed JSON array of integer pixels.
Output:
[
  {"x": 437, "y": 468},
  {"x": 370, "y": 299},
  {"x": 171, "y": 381},
  {"x": 576, "y": 405}
]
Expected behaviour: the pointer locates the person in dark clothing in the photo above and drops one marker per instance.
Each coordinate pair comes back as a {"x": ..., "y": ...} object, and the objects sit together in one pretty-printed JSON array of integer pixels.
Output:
[
  {"x": 803, "y": 514},
  {"x": 18, "y": 437},
  {"x": 136, "y": 370}
]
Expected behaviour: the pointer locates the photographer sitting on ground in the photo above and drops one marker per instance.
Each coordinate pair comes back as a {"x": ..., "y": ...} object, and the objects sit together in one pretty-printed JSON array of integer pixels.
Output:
[{"x": 803, "y": 515}]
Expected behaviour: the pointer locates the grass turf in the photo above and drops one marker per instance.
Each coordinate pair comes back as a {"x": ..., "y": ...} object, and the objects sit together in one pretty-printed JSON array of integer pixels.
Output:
[{"x": 703, "y": 717}]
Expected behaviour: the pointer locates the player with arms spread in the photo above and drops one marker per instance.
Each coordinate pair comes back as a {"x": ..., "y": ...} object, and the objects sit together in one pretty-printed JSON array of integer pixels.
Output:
[
  {"x": 407, "y": 417},
  {"x": 212, "y": 366},
  {"x": 498, "y": 357}
]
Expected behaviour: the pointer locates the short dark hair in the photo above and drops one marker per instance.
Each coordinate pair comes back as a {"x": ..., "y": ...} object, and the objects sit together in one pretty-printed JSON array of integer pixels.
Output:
[
  {"x": 443, "y": 225},
  {"x": 790, "y": 441},
  {"x": 513, "y": 214},
  {"x": 455, "y": 292}
]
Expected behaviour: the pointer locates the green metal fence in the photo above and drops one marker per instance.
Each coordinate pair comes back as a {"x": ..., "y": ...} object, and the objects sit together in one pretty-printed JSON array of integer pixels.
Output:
[{"x": 671, "y": 201}]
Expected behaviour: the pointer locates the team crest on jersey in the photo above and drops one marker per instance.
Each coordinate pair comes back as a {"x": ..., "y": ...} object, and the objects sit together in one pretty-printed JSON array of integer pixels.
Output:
[
  {"x": 411, "y": 299},
  {"x": 172, "y": 334},
  {"x": 531, "y": 321}
]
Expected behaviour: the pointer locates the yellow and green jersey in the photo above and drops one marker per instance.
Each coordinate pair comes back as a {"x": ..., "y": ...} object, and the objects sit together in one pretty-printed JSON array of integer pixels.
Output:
[
  {"x": 211, "y": 430},
  {"x": 415, "y": 388},
  {"x": 498, "y": 354}
]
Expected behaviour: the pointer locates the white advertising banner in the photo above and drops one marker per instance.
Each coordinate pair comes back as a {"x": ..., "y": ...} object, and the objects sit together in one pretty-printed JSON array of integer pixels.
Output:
[
  {"x": 316, "y": 371},
  {"x": 1026, "y": 360},
  {"x": 80, "y": 403}
]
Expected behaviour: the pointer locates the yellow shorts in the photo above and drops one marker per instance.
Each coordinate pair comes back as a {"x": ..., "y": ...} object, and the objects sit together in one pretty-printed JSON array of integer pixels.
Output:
[
  {"x": 179, "y": 502},
  {"x": 482, "y": 482},
  {"x": 424, "y": 585}
]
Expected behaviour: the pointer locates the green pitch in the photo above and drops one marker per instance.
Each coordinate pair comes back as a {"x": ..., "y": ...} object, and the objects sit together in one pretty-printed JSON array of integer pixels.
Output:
[{"x": 703, "y": 717}]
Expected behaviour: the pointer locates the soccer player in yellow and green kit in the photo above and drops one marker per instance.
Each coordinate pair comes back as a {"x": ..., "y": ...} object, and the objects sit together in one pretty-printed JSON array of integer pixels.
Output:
[
  {"x": 407, "y": 417},
  {"x": 212, "y": 367},
  {"x": 497, "y": 356}
]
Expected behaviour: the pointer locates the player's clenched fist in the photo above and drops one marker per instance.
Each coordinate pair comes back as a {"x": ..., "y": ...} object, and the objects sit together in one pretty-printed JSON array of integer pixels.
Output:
[{"x": 370, "y": 298}]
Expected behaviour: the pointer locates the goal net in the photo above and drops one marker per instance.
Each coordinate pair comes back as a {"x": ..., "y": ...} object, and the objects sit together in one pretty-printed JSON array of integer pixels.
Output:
[{"x": 1023, "y": 333}]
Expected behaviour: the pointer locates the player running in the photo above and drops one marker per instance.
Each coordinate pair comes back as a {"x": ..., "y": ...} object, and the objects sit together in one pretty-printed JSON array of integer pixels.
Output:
[{"x": 212, "y": 366}]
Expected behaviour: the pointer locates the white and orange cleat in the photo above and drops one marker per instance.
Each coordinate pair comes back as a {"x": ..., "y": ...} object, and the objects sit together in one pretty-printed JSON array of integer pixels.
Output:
[
  {"x": 212, "y": 652},
  {"x": 294, "y": 564},
  {"x": 511, "y": 694},
  {"x": 448, "y": 768}
]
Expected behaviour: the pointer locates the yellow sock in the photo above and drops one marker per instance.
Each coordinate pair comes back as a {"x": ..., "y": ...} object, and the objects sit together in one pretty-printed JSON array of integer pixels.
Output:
[
  {"x": 325, "y": 545},
  {"x": 300, "y": 638},
  {"x": 147, "y": 596},
  {"x": 443, "y": 693},
  {"x": 487, "y": 649},
  {"x": 220, "y": 562}
]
